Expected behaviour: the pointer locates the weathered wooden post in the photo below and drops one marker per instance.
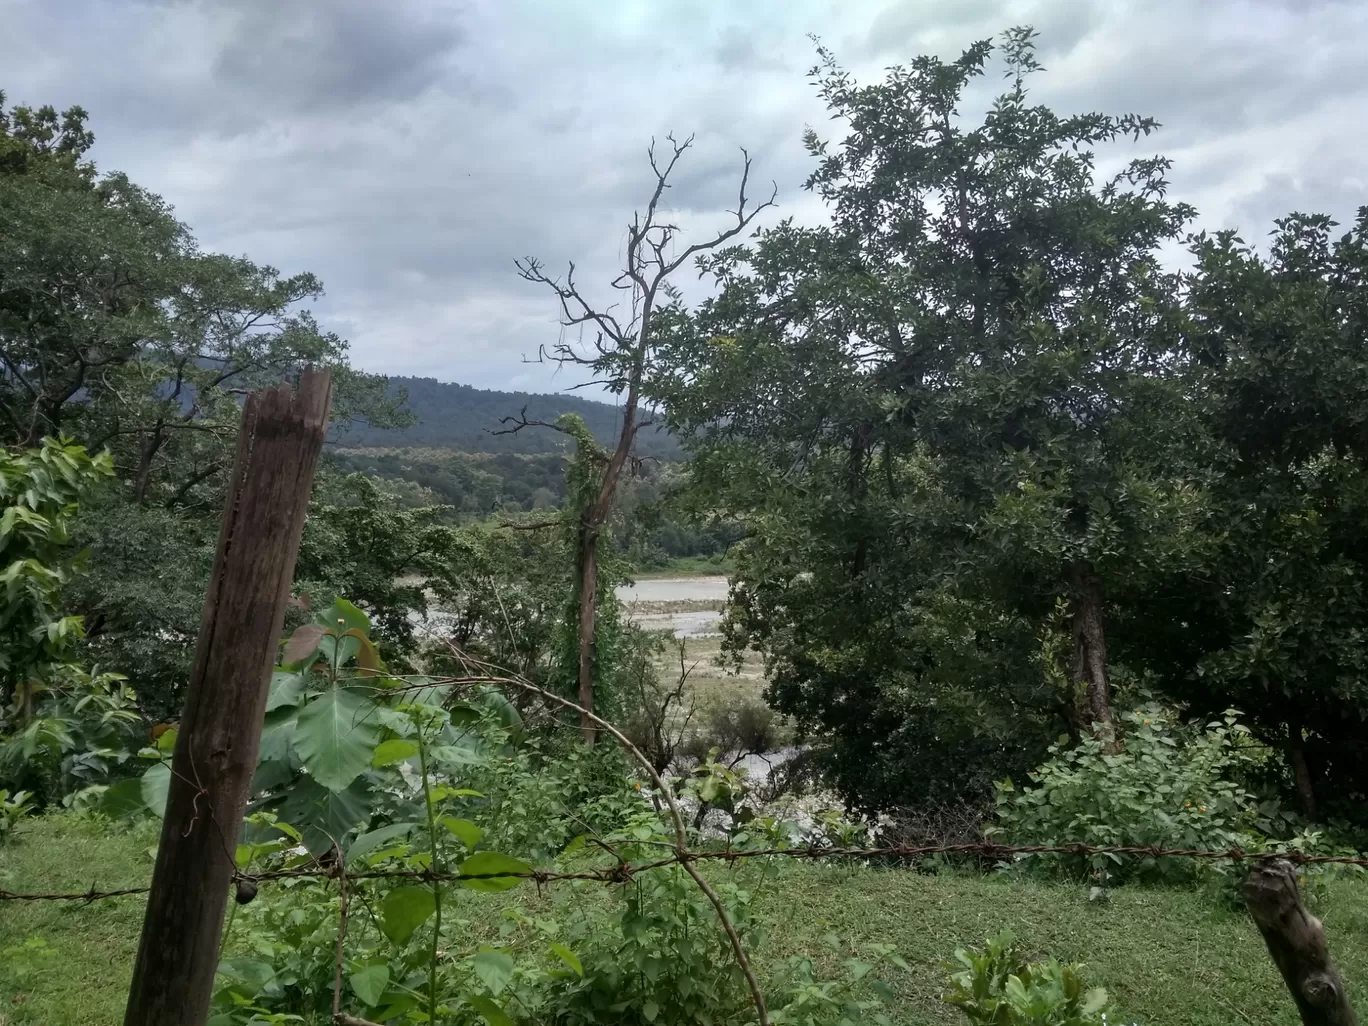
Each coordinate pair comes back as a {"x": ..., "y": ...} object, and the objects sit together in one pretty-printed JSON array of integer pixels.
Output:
[
  {"x": 220, "y": 728},
  {"x": 1296, "y": 940}
]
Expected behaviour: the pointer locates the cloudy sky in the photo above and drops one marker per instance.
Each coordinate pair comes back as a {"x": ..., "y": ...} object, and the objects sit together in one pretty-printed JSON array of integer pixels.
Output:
[{"x": 408, "y": 150}]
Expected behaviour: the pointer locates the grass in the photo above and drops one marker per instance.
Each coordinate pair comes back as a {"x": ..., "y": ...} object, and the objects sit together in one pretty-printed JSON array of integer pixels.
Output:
[
  {"x": 67, "y": 963},
  {"x": 691, "y": 566},
  {"x": 710, "y": 681},
  {"x": 1168, "y": 957}
]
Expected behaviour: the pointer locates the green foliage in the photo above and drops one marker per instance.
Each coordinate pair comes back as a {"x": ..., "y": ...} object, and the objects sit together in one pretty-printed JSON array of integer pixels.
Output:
[
  {"x": 997, "y": 986},
  {"x": 143, "y": 599},
  {"x": 399, "y": 775},
  {"x": 13, "y": 808},
  {"x": 473, "y": 484},
  {"x": 115, "y": 328},
  {"x": 1172, "y": 786},
  {"x": 80, "y": 734},
  {"x": 808, "y": 1000},
  {"x": 1272, "y": 622},
  {"x": 142, "y": 342},
  {"x": 935, "y": 413},
  {"x": 39, "y": 492}
]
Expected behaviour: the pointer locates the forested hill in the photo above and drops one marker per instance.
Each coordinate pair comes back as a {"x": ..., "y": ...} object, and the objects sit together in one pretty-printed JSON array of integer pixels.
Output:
[{"x": 461, "y": 417}]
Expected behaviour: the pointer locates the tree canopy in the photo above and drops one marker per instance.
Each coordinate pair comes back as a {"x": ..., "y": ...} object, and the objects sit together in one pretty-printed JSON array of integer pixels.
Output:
[{"x": 982, "y": 435}]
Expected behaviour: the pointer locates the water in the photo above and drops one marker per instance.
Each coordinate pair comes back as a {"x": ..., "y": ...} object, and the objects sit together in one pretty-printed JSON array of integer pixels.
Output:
[
  {"x": 675, "y": 589},
  {"x": 684, "y": 623}
]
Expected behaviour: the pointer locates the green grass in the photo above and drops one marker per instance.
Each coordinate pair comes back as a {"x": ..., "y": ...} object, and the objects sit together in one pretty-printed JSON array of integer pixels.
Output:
[
  {"x": 1168, "y": 957},
  {"x": 76, "y": 966},
  {"x": 691, "y": 566},
  {"x": 712, "y": 682}
]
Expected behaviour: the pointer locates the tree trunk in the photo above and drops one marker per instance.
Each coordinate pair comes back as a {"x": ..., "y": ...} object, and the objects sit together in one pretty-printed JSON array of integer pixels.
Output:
[
  {"x": 588, "y": 615},
  {"x": 1296, "y": 940},
  {"x": 1301, "y": 773},
  {"x": 143, "y": 478},
  {"x": 1090, "y": 648}
]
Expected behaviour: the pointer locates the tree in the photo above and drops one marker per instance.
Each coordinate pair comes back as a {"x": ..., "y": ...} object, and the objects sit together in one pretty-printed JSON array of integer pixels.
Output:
[
  {"x": 360, "y": 543},
  {"x": 621, "y": 357},
  {"x": 946, "y": 411},
  {"x": 1272, "y": 622},
  {"x": 116, "y": 328}
]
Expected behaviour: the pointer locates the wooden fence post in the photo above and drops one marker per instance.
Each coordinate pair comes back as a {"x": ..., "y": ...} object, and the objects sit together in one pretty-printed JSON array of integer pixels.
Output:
[
  {"x": 1296, "y": 940},
  {"x": 220, "y": 729}
]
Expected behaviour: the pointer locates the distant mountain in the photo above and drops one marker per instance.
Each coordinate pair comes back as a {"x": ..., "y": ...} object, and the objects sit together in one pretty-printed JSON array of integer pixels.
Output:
[{"x": 461, "y": 417}]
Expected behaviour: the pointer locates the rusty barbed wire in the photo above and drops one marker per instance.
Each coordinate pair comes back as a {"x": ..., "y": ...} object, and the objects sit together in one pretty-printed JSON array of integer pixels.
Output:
[{"x": 623, "y": 872}]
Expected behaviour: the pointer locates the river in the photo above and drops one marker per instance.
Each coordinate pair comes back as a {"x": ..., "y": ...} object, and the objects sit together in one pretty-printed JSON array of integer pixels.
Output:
[{"x": 648, "y": 604}]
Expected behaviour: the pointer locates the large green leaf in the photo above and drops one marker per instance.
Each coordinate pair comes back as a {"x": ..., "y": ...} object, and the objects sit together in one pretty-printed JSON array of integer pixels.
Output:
[
  {"x": 344, "y": 616},
  {"x": 568, "y": 957},
  {"x": 374, "y": 839},
  {"x": 494, "y": 968},
  {"x": 463, "y": 830},
  {"x": 404, "y": 910},
  {"x": 369, "y": 983},
  {"x": 335, "y": 736},
  {"x": 286, "y": 689},
  {"x": 339, "y": 651},
  {"x": 124, "y": 798},
  {"x": 483, "y": 862},
  {"x": 488, "y": 1010},
  {"x": 397, "y": 749},
  {"x": 156, "y": 785},
  {"x": 277, "y": 761},
  {"x": 322, "y": 816}
]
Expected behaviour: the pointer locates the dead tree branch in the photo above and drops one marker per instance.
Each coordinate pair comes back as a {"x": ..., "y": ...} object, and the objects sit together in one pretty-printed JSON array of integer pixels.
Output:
[{"x": 620, "y": 355}]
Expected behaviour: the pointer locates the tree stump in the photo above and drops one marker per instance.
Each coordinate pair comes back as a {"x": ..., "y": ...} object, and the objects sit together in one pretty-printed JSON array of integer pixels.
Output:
[{"x": 1296, "y": 940}]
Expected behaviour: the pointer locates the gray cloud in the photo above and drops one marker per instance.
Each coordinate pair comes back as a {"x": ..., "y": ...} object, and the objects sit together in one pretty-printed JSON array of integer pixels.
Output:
[{"x": 408, "y": 151}]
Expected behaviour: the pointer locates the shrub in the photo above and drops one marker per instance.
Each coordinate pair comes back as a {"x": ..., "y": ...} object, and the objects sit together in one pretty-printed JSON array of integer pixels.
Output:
[
  {"x": 1172, "y": 786},
  {"x": 82, "y": 733},
  {"x": 997, "y": 986},
  {"x": 12, "y": 810}
]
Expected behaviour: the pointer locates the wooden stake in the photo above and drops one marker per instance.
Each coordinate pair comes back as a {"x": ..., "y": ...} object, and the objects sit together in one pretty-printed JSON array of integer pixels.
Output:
[
  {"x": 220, "y": 729},
  {"x": 1296, "y": 940}
]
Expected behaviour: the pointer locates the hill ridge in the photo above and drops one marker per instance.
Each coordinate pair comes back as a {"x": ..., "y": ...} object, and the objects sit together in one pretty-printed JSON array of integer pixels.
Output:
[{"x": 451, "y": 415}]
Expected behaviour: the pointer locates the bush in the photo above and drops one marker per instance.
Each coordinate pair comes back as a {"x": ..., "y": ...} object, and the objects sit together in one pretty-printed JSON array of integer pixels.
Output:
[
  {"x": 1173, "y": 786},
  {"x": 735, "y": 726},
  {"x": 82, "y": 733},
  {"x": 998, "y": 987}
]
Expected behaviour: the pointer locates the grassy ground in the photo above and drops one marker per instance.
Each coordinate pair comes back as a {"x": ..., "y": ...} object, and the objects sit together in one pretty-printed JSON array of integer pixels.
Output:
[
  {"x": 63, "y": 962},
  {"x": 712, "y": 682},
  {"x": 1169, "y": 958},
  {"x": 690, "y": 566}
]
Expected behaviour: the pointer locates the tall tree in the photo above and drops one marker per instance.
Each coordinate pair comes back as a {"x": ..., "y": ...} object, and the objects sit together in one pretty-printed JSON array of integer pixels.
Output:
[
  {"x": 39, "y": 492},
  {"x": 117, "y": 330},
  {"x": 957, "y": 403},
  {"x": 621, "y": 357}
]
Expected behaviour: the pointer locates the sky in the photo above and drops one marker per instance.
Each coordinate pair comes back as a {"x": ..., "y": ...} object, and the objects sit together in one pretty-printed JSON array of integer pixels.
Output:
[{"x": 407, "y": 151}]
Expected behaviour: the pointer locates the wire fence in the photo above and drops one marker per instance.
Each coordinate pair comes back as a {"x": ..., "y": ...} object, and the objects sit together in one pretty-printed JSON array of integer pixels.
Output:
[{"x": 624, "y": 872}]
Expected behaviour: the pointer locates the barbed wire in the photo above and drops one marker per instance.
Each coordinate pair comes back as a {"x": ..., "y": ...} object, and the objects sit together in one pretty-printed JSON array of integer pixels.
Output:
[{"x": 623, "y": 872}]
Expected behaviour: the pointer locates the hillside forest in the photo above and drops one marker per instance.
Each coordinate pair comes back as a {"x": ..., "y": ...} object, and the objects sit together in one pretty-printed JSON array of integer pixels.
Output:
[{"x": 1041, "y": 514}]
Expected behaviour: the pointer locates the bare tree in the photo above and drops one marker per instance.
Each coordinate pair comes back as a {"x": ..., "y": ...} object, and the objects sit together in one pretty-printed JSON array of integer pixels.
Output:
[
  {"x": 662, "y": 711},
  {"x": 619, "y": 357}
]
